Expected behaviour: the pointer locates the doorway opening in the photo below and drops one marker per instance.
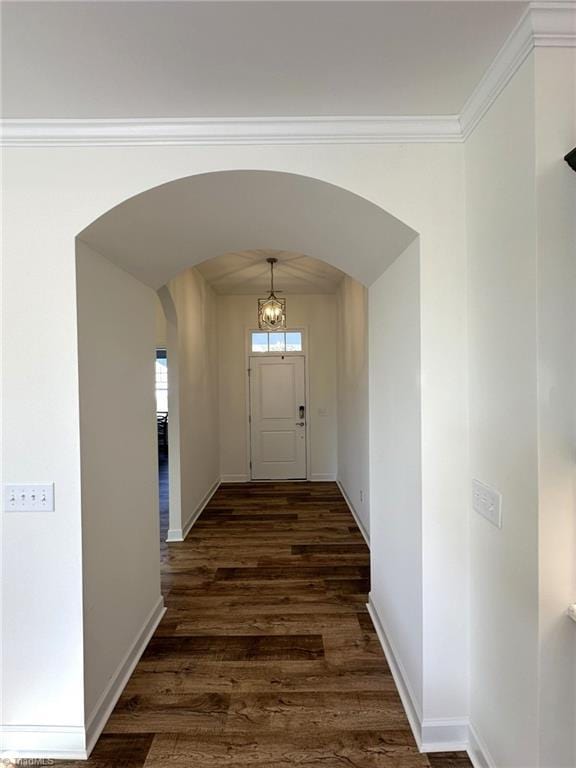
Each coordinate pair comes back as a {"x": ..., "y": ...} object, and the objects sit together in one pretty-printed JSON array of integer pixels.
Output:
[
  {"x": 278, "y": 405},
  {"x": 161, "y": 389},
  {"x": 164, "y": 243}
]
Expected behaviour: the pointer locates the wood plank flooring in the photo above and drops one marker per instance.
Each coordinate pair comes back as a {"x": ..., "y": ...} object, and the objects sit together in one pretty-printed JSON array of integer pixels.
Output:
[{"x": 266, "y": 656}]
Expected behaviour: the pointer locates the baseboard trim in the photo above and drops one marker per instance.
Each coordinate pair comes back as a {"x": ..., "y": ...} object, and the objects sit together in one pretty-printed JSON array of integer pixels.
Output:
[
  {"x": 242, "y": 478},
  {"x": 447, "y": 734},
  {"x": 76, "y": 742},
  {"x": 329, "y": 477},
  {"x": 43, "y": 742},
  {"x": 478, "y": 753},
  {"x": 107, "y": 701},
  {"x": 355, "y": 515},
  {"x": 404, "y": 689},
  {"x": 179, "y": 534}
]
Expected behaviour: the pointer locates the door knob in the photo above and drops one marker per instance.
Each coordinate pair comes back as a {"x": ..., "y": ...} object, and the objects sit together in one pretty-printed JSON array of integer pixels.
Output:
[{"x": 299, "y": 423}]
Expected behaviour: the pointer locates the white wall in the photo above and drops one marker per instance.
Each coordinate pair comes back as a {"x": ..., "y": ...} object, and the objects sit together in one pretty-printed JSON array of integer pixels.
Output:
[
  {"x": 62, "y": 190},
  {"x": 119, "y": 497},
  {"x": 196, "y": 390},
  {"x": 161, "y": 329},
  {"x": 503, "y": 449},
  {"x": 236, "y": 314},
  {"x": 521, "y": 201},
  {"x": 395, "y": 465},
  {"x": 353, "y": 471},
  {"x": 556, "y": 305}
]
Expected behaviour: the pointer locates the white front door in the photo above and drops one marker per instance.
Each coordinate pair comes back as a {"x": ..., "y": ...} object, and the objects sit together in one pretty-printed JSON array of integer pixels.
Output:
[{"x": 278, "y": 418}]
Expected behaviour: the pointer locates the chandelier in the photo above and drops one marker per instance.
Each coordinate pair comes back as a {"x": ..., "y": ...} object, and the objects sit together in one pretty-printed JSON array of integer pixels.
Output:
[{"x": 272, "y": 311}]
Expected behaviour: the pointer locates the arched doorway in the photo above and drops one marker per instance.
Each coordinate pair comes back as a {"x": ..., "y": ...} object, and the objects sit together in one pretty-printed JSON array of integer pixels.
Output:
[{"x": 135, "y": 249}]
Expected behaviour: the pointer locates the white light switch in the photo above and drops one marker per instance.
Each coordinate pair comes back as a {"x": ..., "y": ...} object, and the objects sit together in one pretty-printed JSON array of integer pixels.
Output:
[
  {"x": 487, "y": 502},
  {"x": 29, "y": 497}
]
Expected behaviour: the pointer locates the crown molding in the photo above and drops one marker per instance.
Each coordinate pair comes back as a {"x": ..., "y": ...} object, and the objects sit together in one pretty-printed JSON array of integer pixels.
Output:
[
  {"x": 507, "y": 62},
  {"x": 553, "y": 23},
  {"x": 545, "y": 23},
  {"x": 206, "y": 131}
]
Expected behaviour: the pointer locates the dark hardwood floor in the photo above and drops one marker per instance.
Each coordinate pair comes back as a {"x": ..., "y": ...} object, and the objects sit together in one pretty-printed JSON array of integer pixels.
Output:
[{"x": 266, "y": 656}]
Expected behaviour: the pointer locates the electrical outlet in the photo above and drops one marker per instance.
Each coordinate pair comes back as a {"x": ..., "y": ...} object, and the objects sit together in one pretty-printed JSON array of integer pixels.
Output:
[
  {"x": 29, "y": 497},
  {"x": 487, "y": 502}
]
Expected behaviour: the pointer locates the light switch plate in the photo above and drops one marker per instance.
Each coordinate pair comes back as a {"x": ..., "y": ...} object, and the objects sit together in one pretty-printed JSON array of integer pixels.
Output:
[
  {"x": 487, "y": 502},
  {"x": 29, "y": 497}
]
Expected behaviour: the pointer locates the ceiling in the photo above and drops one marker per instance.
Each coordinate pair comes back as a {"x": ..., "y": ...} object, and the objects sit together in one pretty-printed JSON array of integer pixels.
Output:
[
  {"x": 246, "y": 59},
  {"x": 247, "y": 272}
]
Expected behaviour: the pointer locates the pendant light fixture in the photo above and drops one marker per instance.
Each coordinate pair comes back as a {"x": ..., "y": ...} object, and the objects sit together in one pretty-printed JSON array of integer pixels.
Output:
[{"x": 271, "y": 311}]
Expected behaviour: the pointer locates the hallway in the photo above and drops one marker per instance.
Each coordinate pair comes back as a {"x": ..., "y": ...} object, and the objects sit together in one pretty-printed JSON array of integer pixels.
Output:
[{"x": 266, "y": 655}]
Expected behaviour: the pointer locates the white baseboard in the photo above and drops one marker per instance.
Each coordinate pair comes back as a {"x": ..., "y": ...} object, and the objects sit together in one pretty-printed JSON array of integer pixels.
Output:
[
  {"x": 411, "y": 706},
  {"x": 41, "y": 743},
  {"x": 107, "y": 701},
  {"x": 179, "y": 534},
  {"x": 446, "y": 734},
  {"x": 431, "y": 735},
  {"x": 314, "y": 478},
  {"x": 76, "y": 742},
  {"x": 242, "y": 478},
  {"x": 355, "y": 515},
  {"x": 477, "y": 750}
]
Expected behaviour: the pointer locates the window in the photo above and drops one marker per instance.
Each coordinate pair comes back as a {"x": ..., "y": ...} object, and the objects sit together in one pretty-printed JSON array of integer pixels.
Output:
[
  {"x": 290, "y": 341},
  {"x": 293, "y": 341},
  {"x": 161, "y": 381}
]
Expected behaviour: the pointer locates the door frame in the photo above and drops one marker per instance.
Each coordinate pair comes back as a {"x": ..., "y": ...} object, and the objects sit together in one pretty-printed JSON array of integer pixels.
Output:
[{"x": 248, "y": 354}]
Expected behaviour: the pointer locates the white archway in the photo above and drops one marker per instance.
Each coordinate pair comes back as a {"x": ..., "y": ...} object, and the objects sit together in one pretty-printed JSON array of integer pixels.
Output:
[
  {"x": 157, "y": 234},
  {"x": 152, "y": 237}
]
